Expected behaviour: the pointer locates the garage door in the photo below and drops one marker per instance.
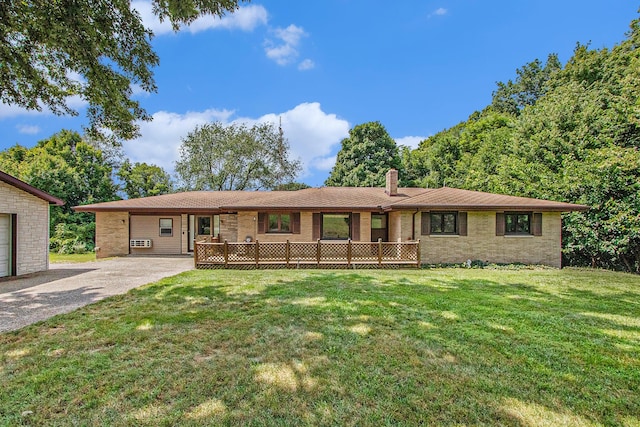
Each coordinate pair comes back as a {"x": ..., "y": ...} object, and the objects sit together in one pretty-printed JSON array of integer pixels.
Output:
[{"x": 5, "y": 238}]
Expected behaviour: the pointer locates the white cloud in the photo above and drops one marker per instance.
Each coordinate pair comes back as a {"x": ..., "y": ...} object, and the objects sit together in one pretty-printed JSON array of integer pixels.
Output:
[
  {"x": 7, "y": 110},
  {"x": 246, "y": 18},
  {"x": 285, "y": 50},
  {"x": 28, "y": 129},
  {"x": 75, "y": 102},
  {"x": 312, "y": 134},
  {"x": 160, "y": 139},
  {"x": 410, "y": 141},
  {"x": 441, "y": 11},
  {"x": 307, "y": 64}
]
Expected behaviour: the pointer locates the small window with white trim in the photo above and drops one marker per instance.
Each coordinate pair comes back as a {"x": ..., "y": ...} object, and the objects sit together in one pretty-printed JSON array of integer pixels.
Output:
[{"x": 166, "y": 227}]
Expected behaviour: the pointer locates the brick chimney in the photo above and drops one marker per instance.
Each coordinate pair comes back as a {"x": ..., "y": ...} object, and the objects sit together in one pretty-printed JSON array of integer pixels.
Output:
[{"x": 392, "y": 182}]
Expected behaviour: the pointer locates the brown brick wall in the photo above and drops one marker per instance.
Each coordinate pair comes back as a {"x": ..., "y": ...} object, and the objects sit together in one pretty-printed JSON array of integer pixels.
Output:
[
  {"x": 32, "y": 240},
  {"x": 112, "y": 234},
  {"x": 229, "y": 228},
  {"x": 481, "y": 243}
]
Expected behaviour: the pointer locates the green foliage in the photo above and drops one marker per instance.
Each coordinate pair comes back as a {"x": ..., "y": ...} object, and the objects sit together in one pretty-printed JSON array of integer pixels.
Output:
[
  {"x": 569, "y": 134},
  {"x": 143, "y": 180},
  {"x": 292, "y": 186},
  {"x": 66, "y": 167},
  {"x": 51, "y": 50},
  {"x": 73, "y": 238},
  {"x": 235, "y": 157},
  {"x": 530, "y": 85},
  {"x": 365, "y": 157}
]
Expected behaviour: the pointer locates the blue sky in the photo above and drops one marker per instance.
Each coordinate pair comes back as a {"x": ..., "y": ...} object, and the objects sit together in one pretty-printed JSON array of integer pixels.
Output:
[{"x": 324, "y": 66}]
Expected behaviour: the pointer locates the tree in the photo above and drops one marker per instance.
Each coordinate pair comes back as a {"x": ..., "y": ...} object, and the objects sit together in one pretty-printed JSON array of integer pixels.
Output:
[
  {"x": 66, "y": 167},
  {"x": 52, "y": 50},
  {"x": 234, "y": 157},
  {"x": 530, "y": 85},
  {"x": 365, "y": 157},
  {"x": 143, "y": 180},
  {"x": 292, "y": 186}
]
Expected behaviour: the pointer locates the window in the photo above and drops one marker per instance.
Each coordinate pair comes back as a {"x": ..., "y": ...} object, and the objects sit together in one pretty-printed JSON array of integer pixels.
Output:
[
  {"x": 204, "y": 225},
  {"x": 279, "y": 223},
  {"x": 378, "y": 222},
  {"x": 444, "y": 223},
  {"x": 517, "y": 223},
  {"x": 288, "y": 222},
  {"x": 166, "y": 227},
  {"x": 336, "y": 226}
]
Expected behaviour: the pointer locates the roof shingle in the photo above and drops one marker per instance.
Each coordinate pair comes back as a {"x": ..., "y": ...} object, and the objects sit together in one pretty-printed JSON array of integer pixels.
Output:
[{"x": 330, "y": 198}]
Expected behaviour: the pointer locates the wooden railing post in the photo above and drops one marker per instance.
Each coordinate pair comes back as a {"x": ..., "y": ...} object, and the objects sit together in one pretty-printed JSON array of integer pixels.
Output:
[
  {"x": 226, "y": 254},
  {"x": 195, "y": 254},
  {"x": 379, "y": 251},
  {"x": 349, "y": 253},
  {"x": 287, "y": 252},
  {"x": 418, "y": 255},
  {"x": 318, "y": 253},
  {"x": 257, "y": 252}
]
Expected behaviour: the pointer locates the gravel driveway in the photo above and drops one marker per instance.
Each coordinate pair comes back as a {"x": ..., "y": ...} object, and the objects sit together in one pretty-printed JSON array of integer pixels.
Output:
[{"x": 65, "y": 287}]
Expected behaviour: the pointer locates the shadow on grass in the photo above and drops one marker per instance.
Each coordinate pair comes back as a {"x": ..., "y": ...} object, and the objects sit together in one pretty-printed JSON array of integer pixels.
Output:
[{"x": 345, "y": 348}]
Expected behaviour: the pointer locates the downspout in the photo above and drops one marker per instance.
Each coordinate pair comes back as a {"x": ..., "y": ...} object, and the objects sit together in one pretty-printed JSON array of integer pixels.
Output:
[{"x": 413, "y": 225}]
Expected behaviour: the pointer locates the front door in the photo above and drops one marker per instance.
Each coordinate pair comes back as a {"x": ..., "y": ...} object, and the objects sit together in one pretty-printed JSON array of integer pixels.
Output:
[{"x": 379, "y": 227}]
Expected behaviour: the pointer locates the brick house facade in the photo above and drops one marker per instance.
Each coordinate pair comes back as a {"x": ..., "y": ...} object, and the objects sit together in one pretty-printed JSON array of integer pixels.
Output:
[{"x": 452, "y": 225}]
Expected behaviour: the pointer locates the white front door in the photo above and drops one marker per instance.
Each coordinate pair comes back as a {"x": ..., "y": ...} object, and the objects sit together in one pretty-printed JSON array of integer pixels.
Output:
[{"x": 5, "y": 244}]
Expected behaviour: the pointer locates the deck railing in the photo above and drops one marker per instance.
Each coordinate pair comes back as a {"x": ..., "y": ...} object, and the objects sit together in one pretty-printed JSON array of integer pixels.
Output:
[{"x": 319, "y": 254}]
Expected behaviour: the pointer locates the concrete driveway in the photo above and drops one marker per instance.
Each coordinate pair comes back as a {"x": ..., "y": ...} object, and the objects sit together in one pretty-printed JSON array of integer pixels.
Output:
[{"x": 65, "y": 287}]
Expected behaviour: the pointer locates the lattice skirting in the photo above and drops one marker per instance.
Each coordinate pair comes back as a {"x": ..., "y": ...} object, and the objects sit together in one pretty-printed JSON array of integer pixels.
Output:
[{"x": 303, "y": 266}]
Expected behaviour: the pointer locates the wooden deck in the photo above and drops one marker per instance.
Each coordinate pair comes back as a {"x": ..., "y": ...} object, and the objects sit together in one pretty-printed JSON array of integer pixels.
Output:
[{"x": 319, "y": 254}]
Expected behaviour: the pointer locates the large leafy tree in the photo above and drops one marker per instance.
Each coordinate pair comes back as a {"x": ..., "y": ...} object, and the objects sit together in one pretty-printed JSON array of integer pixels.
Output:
[
  {"x": 235, "y": 157},
  {"x": 71, "y": 169},
  {"x": 51, "y": 50},
  {"x": 530, "y": 85},
  {"x": 365, "y": 157},
  {"x": 143, "y": 180}
]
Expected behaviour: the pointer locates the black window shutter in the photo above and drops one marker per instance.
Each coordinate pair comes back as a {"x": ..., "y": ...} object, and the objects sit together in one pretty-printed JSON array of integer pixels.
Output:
[
  {"x": 295, "y": 222},
  {"x": 317, "y": 218},
  {"x": 536, "y": 224},
  {"x": 425, "y": 223},
  {"x": 262, "y": 221},
  {"x": 462, "y": 223},
  {"x": 500, "y": 224},
  {"x": 355, "y": 226}
]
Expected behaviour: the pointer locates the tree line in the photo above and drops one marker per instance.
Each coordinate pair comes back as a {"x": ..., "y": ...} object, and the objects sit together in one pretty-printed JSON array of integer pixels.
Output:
[
  {"x": 81, "y": 170},
  {"x": 565, "y": 133}
]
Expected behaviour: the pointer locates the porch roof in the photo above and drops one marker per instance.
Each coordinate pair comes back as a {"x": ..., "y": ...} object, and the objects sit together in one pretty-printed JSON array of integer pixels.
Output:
[{"x": 328, "y": 199}]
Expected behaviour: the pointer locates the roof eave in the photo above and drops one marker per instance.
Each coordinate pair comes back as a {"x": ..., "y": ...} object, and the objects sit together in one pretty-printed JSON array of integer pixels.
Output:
[
  {"x": 11, "y": 180},
  {"x": 571, "y": 208}
]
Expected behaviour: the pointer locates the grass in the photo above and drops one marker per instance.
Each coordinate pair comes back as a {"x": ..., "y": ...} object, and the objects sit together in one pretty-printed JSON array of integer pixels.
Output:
[
  {"x": 442, "y": 346},
  {"x": 55, "y": 257}
]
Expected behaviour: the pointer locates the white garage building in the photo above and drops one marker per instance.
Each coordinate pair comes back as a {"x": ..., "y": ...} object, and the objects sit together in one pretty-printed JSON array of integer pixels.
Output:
[{"x": 24, "y": 227}]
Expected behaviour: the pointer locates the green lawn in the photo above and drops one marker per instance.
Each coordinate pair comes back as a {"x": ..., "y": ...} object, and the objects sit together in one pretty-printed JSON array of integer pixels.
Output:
[
  {"x": 55, "y": 257},
  {"x": 442, "y": 346}
]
